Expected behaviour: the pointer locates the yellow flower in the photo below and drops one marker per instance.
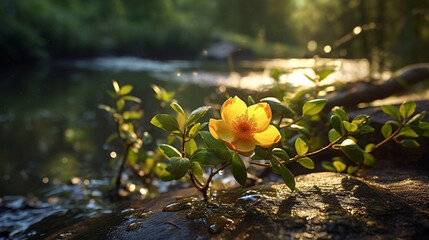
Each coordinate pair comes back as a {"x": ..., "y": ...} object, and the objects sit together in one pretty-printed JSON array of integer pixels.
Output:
[{"x": 242, "y": 127}]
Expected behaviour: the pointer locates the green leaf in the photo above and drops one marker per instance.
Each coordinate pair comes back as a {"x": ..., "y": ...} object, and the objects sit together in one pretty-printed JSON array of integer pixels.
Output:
[
  {"x": 333, "y": 135},
  {"x": 410, "y": 143},
  {"x": 280, "y": 154},
  {"x": 337, "y": 124},
  {"x": 352, "y": 151},
  {"x": 352, "y": 169},
  {"x": 132, "y": 157},
  {"x": 169, "y": 151},
  {"x": 350, "y": 127},
  {"x": 176, "y": 107},
  {"x": 165, "y": 122},
  {"x": 366, "y": 129},
  {"x": 306, "y": 162},
  {"x": 407, "y": 132},
  {"x": 407, "y": 109},
  {"x": 302, "y": 130},
  {"x": 279, "y": 107},
  {"x": 190, "y": 147},
  {"x": 369, "y": 160},
  {"x": 313, "y": 107},
  {"x": 196, "y": 115},
  {"x": 179, "y": 167},
  {"x": 340, "y": 113},
  {"x": 197, "y": 170},
  {"x": 369, "y": 147},
  {"x": 323, "y": 73},
  {"x": 216, "y": 145},
  {"x": 205, "y": 157},
  {"x": 275, "y": 166},
  {"x": 132, "y": 115},
  {"x": 106, "y": 108},
  {"x": 276, "y": 73},
  {"x": 391, "y": 111},
  {"x": 261, "y": 152},
  {"x": 417, "y": 118},
  {"x": 301, "y": 146},
  {"x": 339, "y": 166},
  {"x": 161, "y": 94},
  {"x": 116, "y": 86},
  {"x": 194, "y": 130},
  {"x": 309, "y": 77},
  {"x": 132, "y": 98},
  {"x": 125, "y": 89},
  {"x": 162, "y": 170},
  {"x": 120, "y": 104},
  {"x": 238, "y": 170},
  {"x": 386, "y": 130},
  {"x": 328, "y": 166},
  {"x": 250, "y": 101},
  {"x": 288, "y": 177},
  {"x": 360, "y": 119}
]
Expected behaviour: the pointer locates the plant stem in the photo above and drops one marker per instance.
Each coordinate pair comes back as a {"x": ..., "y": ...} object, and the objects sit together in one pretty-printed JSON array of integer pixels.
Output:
[
  {"x": 393, "y": 135},
  {"x": 183, "y": 142},
  {"x": 261, "y": 164},
  {"x": 121, "y": 168},
  {"x": 197, "y": 184},
  {"x": 318, "y": 151},
  {"x": 290, "y": 124},
  {"x": 204, "y": 189}
]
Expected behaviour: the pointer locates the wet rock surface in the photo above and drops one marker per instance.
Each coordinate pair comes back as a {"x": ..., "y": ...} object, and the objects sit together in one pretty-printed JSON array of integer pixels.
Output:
[{"x": 376, "y": 205}]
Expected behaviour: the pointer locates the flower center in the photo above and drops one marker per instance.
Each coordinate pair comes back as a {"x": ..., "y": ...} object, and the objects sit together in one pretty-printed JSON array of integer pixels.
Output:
[{"x": 244, "y": 127}]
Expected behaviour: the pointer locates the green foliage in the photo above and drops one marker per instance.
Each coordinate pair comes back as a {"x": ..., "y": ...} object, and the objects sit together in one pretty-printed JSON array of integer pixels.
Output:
[
  {"x": 279, "y": 107},
  {"x": 164, "y": 96},
  {"x": 239, "y": 170},
  {"x": 306, "y": 162},
  {"x": 287, "y": 176},
  {"x": 128, "y": 132},
  {"x": 179, "y": 167},
  {"x": 196, "y": 115},
  {"x": 166, "y": 122},
  {"x": 313, "y": 107},
  {"x": 301, "y": 147},
  {"x": 199, "y": 156}
]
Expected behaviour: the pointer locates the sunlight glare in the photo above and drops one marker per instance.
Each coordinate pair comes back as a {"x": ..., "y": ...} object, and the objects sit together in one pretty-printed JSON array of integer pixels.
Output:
[
  {"x": 312, "y": 45},
  {"x": 75, "y": 180},
  {"x": 357, "y": 30},
  {"x": 45, "y": 180},
  {"x": 131, "y": 187},
  {"x": 327, "y": 49},
  {"x": 143, "y": 191},
  {"x": 298, "y": 79}
]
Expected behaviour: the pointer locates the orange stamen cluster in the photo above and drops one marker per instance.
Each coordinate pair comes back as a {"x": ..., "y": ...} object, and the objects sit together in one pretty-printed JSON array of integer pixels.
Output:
[{"x": 244, "y": 127}]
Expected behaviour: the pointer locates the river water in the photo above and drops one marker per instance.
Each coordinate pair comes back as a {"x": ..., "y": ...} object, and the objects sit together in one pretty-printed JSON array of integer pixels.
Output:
[{"x": 52, "y": 132}]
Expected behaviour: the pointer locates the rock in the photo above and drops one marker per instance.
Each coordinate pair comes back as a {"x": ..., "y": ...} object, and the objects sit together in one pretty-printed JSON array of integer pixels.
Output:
[
  {"x": 376, "y": 205},
  {"x": 407, "y": 76}
]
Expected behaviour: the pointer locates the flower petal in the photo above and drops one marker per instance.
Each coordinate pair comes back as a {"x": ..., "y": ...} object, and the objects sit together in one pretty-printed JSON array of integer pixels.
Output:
[
  {"x": 261, "y": 114},
  {"x": 232, "y": 108},
  {"x": 221, "y": 131},
  {"x": 243, "y": 145},
  {"x": 267, "y": 137}
]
